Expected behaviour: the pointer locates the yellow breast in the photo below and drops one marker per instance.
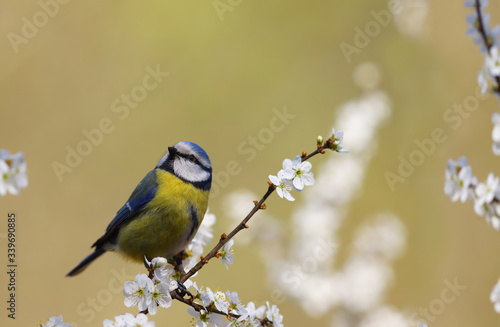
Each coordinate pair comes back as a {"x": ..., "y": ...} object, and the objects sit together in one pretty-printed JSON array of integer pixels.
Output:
[{"x": 168, "y": 222}]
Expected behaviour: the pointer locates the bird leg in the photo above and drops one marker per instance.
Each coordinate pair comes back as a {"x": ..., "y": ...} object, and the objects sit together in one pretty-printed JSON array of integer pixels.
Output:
[{"x": 177, "y": 261}]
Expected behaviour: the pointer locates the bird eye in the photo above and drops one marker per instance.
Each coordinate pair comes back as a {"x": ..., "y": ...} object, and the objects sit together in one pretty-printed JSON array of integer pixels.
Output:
[{"x": 192, "y": 158}]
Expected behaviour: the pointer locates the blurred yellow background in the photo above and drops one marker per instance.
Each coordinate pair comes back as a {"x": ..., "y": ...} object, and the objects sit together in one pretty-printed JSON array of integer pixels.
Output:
[{"x": 227, "y": 70}]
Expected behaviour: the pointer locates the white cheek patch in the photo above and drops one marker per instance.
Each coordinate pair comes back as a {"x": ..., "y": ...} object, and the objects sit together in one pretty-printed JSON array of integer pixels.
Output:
[{"x": 189, "y": 170}]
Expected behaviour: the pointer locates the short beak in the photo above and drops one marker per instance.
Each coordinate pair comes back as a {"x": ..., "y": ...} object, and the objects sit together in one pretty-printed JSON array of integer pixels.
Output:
[{"x": 172, "y": 150}]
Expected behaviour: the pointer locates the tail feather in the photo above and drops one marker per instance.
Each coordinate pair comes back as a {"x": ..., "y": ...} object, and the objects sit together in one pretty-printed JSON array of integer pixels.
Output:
[{"x": 85, "y": 262}]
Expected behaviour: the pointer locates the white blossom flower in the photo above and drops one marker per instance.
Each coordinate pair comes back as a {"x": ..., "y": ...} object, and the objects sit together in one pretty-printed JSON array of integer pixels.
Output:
[
  {"x": 129, "y": 320},
  {"x": 204, "y": 235},
  {"x": 12, "y": 173},
  {"x": 206, "y": 296},
  {"x": 483, "y": 79},
  {"x": 495, "y": 296},
  {"x": 56, "y": 322},
  {"x": 486, "y": 192},
  {"x": 5, "y": 184},
  {"x": 226, "y": 253},
  {"x": 492, "y": 62},
  {"x": 494, "y": 219},
  {"x": 235, "y": 306},
  {"x": 484, "y": 195},
  {"x": 205, "y": 319},
  {"x": 164, "y": 272},
  {"x": 161, "y": 295},
  {"x": 218, "y": 298},
  {"x": 159, "y": 262},
  {"x": 495, "y": 133},
  {"x": 338, "y": 141},
  {"x": 299, "y": 172},
  {"x": 484, "y": 209},
  {"x": 220, "y": 301},
  {"x": 273, "y": 315},
  {"x": 283, "y": 185},
  {"x": 162, "y": 269},
  {"x": 138, "y": 292},
  {"x": 458, "y": 179},
  {"x": 252, "y": 314}
]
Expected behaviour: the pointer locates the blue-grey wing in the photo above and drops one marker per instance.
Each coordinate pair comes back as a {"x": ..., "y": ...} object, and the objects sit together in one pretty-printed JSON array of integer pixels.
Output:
[{"x": 144, "y": 192}]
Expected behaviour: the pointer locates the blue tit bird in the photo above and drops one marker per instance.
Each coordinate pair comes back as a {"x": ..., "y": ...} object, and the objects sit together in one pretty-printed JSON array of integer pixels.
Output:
[{"x": 164, "y": 211}]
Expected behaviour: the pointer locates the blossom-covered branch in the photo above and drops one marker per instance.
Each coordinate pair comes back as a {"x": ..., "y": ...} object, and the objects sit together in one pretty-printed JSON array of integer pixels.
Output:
[
  {"x": 488, "y": 39},
  {"x": 293, "y": 172},
  {"x": 460, "y": 184}
]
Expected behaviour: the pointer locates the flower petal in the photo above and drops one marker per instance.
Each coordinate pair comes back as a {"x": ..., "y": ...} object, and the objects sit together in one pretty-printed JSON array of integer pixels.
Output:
[
  {"x": 298, "y": 183},
  {"x": 287, "y": 163}
]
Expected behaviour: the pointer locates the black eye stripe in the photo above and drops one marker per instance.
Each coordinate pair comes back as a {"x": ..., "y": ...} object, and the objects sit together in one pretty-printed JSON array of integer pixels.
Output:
[{"x": 189, "y": 157}]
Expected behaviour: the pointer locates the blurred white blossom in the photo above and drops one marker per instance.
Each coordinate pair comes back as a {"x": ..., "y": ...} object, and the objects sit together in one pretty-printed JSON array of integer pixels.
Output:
[
  {"x": 483, "y": 79},
  {"x": 12, "y": 173},
  {"x": 492, "y": 61},
  {"x": 485, "y": 193},
  {"x": 495, "y": 133},
  {"x": 56, "y": 322},
  {"x": 304, "y": 268},
  {"x": 495, "y": 296},
  {"x": 385, "y": 317},
  {"x": 366, "y": 75},
  {"x": 460, "y": 184},
  {"x": 458, "y": 180},
  {"x": 266, "y": 228},
  {"x": 202, "y": 238},
  {"x": 410, "y": 18},
  {"x": 129, "y": 320},
  {"x": 383, "y": 236}
]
